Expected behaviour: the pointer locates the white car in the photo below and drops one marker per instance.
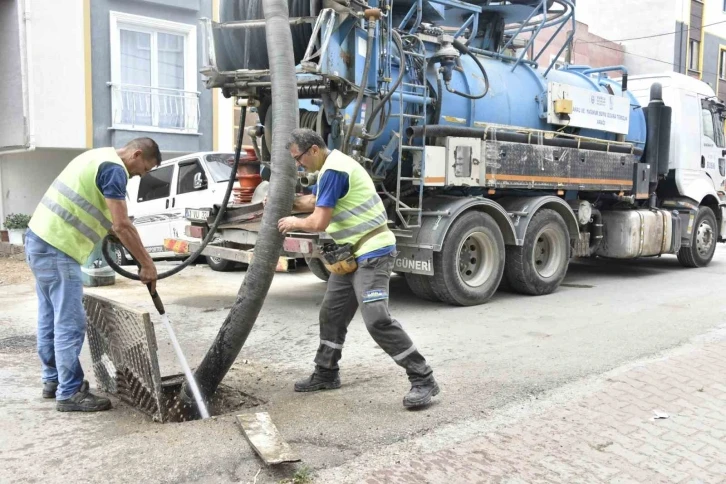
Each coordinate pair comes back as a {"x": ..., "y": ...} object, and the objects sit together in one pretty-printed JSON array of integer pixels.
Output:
[{"x": 158, "y": 201}]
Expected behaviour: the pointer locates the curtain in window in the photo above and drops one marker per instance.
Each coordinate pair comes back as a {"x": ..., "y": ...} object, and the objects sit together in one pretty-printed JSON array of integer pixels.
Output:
[
  {"x": 136, "y": 70},
  {"x": 171, "y": 76}
]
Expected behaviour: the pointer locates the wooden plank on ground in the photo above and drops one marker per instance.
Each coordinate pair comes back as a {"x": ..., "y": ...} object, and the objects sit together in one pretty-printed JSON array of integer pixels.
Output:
[{"x": 265, "y": 439}]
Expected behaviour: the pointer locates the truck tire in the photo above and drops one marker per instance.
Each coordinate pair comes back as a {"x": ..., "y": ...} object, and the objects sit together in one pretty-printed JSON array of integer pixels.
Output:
[
  {"x": 540, "y": 264},
  {"x": 420, "y": 285},
  {"x": 318, "y": 268},
  {"x": 703, "y": 240},
  {"x": 470, "y": 265}
]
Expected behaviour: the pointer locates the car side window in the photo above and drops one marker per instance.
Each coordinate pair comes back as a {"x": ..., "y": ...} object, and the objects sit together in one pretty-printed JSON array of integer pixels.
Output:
[
  {"x": 155, "y": 184},
  {"x": 191, "y": 177}
]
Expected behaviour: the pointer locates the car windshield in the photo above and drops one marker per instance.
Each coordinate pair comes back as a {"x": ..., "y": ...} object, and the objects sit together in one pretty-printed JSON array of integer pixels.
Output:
[{"x": 220, "y": 165}]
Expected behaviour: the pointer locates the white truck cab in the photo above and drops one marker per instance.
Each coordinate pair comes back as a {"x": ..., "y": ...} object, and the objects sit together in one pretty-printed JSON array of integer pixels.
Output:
[{"x": 697, "y": 145}]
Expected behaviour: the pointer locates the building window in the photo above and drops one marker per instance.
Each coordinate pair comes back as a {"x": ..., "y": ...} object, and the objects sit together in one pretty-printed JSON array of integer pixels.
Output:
[
  {"x": 153, "y": 74},
  {"x": 722, "y": 64},
  {"x": 695, "y": 57}
]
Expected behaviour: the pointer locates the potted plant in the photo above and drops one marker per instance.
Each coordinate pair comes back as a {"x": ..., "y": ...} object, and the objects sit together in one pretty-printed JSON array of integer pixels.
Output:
[{"x": 16, "y": 224}]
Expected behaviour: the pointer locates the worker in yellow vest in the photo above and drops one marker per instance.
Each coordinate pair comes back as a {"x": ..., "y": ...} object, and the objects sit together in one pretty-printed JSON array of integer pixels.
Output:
[
  {"x": 84, "y": 203},
  {"x": 346, "y": 205}
]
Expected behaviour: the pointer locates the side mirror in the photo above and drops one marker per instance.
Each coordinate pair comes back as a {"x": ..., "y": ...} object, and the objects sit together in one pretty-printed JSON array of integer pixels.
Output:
[{"x": 199, "y": 182}]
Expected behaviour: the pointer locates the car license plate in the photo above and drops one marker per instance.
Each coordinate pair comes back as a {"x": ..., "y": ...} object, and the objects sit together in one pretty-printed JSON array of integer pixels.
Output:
[{"x": 195, "y": 214}]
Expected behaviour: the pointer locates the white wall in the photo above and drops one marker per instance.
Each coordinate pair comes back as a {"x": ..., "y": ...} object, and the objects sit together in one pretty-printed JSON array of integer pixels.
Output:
[
  {"x": 57, "y": 77},
  {"x": 225, "y": 122},
  {"x": 24, "y": 178},
  {"x": 624, "y": 19}
]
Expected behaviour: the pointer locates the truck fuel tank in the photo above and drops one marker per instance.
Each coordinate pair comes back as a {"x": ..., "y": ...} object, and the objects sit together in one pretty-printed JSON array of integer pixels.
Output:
[{"x": 628, "y": 234}]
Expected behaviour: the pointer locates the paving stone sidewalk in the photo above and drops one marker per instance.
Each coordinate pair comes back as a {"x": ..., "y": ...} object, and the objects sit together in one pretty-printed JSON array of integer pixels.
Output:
[{"x": 610, "y": 435}]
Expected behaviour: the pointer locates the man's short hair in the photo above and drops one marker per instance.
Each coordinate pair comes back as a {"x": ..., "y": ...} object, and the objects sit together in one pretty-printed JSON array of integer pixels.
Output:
[
  {"x": 305, "y": 139},
  {"x": 149, "y": 148}
]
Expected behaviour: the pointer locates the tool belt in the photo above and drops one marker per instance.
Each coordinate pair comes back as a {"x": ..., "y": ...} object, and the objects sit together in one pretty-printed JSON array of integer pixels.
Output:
[{"x": 340, "y": 259}]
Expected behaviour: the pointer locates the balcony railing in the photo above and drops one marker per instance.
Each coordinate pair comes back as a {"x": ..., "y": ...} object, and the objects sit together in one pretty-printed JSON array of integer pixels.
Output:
[{"x": 157, "y": 109}]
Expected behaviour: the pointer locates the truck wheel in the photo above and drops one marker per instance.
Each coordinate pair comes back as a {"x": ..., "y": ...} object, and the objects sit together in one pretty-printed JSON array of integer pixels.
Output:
[
  {"x": 420, "y": 285},
  {"x": 703, "y": 240},
  {"x": 318, "y": 268},
  {"x": 539, "y": 266},
  {"x": 471, "y": 262}
]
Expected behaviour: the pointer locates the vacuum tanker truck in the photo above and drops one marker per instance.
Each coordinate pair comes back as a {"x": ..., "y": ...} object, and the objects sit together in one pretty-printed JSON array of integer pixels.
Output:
[{"x": 493, "y": 164}]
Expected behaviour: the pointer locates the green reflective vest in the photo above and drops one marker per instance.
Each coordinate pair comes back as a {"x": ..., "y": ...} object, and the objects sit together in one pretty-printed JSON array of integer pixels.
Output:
[
  {"x": 73, "y": 215},
  {"x": 360, "y": 210}
]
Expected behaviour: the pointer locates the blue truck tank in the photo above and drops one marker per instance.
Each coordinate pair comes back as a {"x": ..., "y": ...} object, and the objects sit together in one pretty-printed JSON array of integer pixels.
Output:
[
  {"x": 519, "y": 97},
  {"x": 516, "y": 98}
]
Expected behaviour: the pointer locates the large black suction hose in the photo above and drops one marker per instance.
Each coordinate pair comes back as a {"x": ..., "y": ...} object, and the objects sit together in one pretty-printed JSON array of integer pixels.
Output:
[
  {"x": 465, "y": 50},
  {"x": 212, "y": 230},
  {"x": 241, "y": 318}
]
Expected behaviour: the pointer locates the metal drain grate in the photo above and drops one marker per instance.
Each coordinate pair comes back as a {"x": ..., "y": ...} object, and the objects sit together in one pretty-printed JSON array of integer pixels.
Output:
[
  {"x": 123, "y": 351},
  {"x": 18, "y": 344}
]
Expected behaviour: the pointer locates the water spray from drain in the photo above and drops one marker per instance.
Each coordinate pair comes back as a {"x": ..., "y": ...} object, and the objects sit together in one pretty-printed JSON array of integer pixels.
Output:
[
  {"x": 180, "y": 356},
  {"x": 185, "y": 366}
]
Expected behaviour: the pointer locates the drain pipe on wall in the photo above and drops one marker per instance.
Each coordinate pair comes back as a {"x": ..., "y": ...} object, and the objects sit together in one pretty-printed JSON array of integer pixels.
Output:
[
  {"x": 26, "y": 74},
  {"x": 26, "y": 80},
  {"x": 241, "y": 318}
]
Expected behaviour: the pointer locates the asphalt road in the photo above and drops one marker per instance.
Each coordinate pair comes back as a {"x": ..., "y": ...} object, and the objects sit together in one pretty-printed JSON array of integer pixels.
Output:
[{"x": 488, "y": 360}]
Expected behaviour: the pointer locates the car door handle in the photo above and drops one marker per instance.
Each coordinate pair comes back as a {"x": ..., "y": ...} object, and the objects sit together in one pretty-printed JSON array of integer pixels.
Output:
[
  {"x": 167, "y": 203},
  {"x": 173, "y": 202},
  {"x": 723, "y": 152}
]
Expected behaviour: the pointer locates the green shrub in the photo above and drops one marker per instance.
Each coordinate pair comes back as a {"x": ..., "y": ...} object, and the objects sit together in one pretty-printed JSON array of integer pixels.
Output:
[{"x": 17, "y": 221}]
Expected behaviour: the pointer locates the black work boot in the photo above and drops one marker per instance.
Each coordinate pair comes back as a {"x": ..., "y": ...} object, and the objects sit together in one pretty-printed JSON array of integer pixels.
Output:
[
  {"x": 319, "y": 380},
  {"x": 84, "y": 401},
  {"x": 49, "y": 388},
  {"x": 420, "y": 394}
]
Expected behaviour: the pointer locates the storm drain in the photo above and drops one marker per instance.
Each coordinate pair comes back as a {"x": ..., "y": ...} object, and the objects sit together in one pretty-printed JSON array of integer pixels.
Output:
[
  {"x": 123, "y": 351},
  {"x": 124, "y": 355},
  {"x": 18, "y": 344}
]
